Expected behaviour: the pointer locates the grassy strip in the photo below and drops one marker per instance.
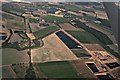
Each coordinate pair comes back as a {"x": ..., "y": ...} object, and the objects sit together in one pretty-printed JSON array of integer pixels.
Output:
[{"x": 45, "y": 31}]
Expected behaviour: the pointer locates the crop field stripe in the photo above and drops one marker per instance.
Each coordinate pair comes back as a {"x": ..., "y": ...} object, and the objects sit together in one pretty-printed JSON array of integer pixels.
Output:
[{"x": 45, "y": 31}]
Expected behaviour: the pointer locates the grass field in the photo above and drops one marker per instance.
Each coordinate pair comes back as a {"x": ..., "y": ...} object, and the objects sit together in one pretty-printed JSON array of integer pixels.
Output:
[
  {"x": 56, "y": 19},
  {"x": 58, "y": 70},
  {"x": 45, "y": 31},
  {"x": 83, "y": 36}
]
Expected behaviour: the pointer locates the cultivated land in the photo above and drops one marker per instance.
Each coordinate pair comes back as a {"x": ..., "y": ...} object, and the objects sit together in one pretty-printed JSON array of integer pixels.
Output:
[
  {"x": 83, "y": 37},
  {"x": 13, "y": 24},
  {"x": 68, "y": 26},
  {"x": 12, "y": 56},
  {"x": 71, "y": 7},
  {"x": 35, "y": 27},
  {"x": 114, "y": 47},
  {"x": 52, "y": 51},
  {"x": 45, "y": 31},
  {"x": 20, "y": 69},
  {"x": 103, "y": 29},
  {"x": 10, "y": 16},
  {"x": 82, "y": 68},
  {"x": 56, "y": 19},
  {"x": 58, "y": 70},
  {"x": 8, "y": 72},
  {"x": 94, "y": 47},
  {"x": 44, "y": 54}
]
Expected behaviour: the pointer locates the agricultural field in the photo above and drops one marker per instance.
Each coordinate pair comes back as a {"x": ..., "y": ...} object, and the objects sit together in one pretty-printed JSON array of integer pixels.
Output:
[
  {"x": 82, "y": 69},
  {"x": 6, "y": 16},
  {"x": 104, "y": 39},
  {"x": 12, "y": 56},
  {"x": 104, "y": 29},
  {"x": 83, "y": 37},
  {"x": 12, "y": 8},
  {"x": 45, "y": 31},
  {"x": 7, "y": 72},
  {"x": 65, "y": 6},
  {"x": 94, "y": 47},
  {"x": 114, "y": 47},
  {"x": 89, "y": 17},
  {"x": 67, "y": 26},
  {"x": 20, "y": 69},
  {"x": 51, "y": 51},
  {"x": 31, "y": 20},
  {"x": 58, "y": 70},
  {"x": 13, "y": 24},
  {"x": 71, "y": 7},
  {"x": 35, "y": 27},
  {"x": 56, "y": 19}
]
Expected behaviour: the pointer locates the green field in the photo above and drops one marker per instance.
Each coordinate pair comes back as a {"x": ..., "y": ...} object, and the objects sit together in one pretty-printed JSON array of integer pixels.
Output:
[
  {"x": 107, "y": 29},
  {"x": 58, "y": 70},
  {"x": 89, "y": 17},
  {"x": 45, "y": 31},
  {"x": 71, "y": 7},
  {"x": 99, "y": 35},
  {"x": 12, "y": 7},
  {"x": 83, "y": 36},
  {"x": 65, "y": 6},
  {"x": 56, "y": 19}
]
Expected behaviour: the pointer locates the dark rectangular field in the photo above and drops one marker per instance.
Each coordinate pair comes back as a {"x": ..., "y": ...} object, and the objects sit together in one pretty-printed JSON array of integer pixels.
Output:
[{"x": 67, "y": 40}]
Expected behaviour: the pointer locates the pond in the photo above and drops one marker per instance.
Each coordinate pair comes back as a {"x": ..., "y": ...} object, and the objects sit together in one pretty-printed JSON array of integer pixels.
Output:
[
  {"x": 105, "y": 77},
  {"x": 93, "y": 67},
  {"x": 3, "y": 37},
  {"x": 112, "y": 65}
]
